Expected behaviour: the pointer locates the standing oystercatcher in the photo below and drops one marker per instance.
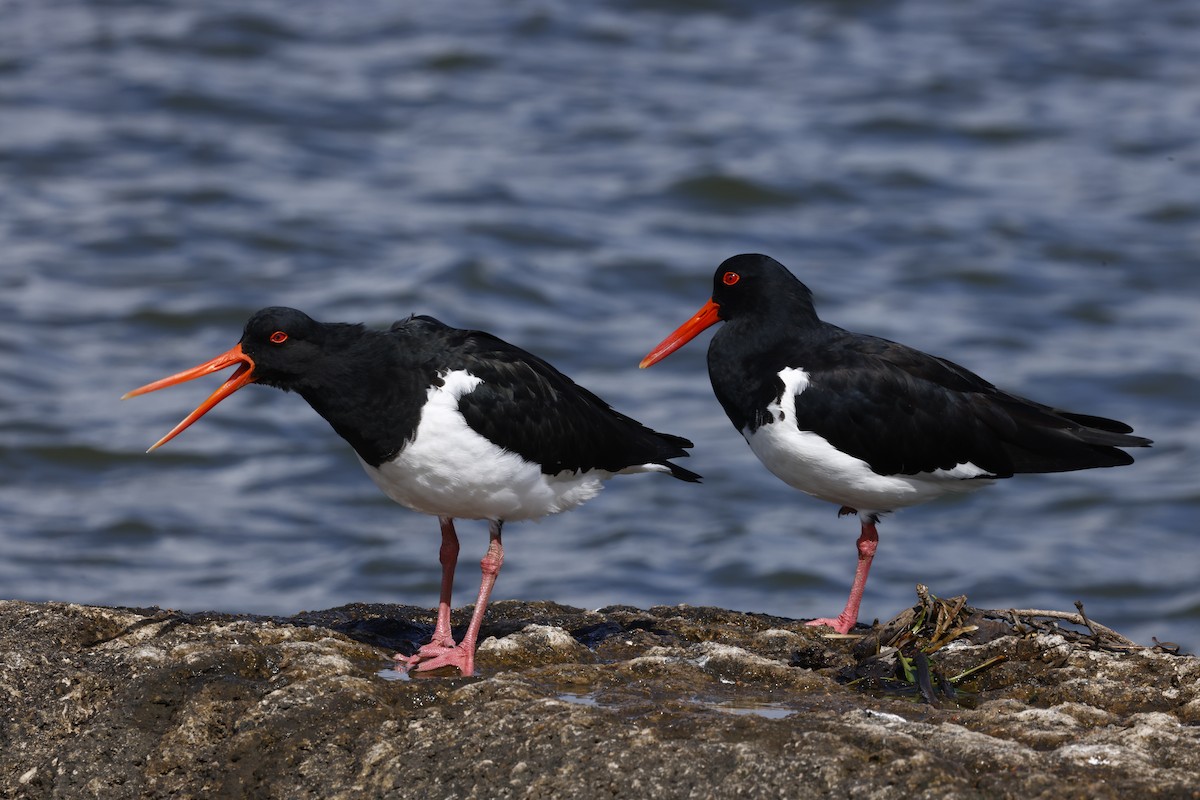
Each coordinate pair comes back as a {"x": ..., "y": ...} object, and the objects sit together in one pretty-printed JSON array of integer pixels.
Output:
[
  {"x": 865, "y": 423},
  {"x": 454, "y": 423}
]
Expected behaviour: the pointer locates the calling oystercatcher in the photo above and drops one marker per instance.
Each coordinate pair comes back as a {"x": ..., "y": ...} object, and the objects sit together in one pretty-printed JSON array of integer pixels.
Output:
[
  {"x": 866, "y": 423},
  {"x": 454, "y": 423}
]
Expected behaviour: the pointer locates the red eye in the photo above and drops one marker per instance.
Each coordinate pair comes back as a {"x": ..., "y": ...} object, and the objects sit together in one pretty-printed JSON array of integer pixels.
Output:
[
  {"x": 278, "y": 337},
  {"x": 730, "y": 278}
]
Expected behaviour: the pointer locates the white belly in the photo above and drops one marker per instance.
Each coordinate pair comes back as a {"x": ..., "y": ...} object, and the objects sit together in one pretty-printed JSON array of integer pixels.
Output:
[
  {"x": 450, "y": 470},
  {"x": 807, "y": 462}
]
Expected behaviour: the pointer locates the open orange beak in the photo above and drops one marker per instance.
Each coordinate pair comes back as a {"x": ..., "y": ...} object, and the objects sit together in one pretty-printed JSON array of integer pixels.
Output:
[
  {"x": 243, "y": 376},
  {"x": 705, "y": 317}
]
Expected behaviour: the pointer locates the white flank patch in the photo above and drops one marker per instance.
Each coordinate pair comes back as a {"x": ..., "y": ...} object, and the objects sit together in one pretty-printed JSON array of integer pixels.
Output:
[
  {"x": 807, "y": 462},
  {"x": 450, "y": 470}
]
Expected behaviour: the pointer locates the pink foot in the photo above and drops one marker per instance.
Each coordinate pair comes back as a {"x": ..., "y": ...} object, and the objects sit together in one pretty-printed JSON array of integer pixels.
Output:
[
  {"x": 839, "y": 625},
  {"x": 429, "y": 658},
  {"x": 434, "y": 648}
]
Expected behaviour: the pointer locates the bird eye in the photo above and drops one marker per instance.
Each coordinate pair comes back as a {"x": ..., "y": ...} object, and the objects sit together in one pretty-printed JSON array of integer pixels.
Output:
[
  {"x": 279, "y": 337},
  {"x": 730, "y": 278}
]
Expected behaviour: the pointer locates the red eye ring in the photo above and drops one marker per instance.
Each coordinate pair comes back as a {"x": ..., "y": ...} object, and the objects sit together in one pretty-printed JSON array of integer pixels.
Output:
[
  {"x": 730, "y": 278},
  {"x": 279, "y": 337}
]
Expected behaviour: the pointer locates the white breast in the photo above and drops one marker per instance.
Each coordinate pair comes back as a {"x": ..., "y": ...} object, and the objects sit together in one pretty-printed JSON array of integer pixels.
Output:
[
  {"x": 450, "y": 470},
  {"x": 808, "y": 462}
]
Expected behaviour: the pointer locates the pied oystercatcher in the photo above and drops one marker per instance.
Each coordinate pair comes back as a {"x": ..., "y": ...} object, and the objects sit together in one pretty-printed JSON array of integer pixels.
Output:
[
  {"x": 866, "y": 423},
  {"x": 449, "y": 422}
]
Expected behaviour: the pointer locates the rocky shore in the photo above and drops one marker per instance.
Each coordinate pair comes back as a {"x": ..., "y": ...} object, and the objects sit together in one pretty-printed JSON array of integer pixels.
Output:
[{"x": 945, "y": 701}]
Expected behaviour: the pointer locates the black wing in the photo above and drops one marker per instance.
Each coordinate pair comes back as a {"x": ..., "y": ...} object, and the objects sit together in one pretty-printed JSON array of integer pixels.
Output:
[
  {"x": 525, "y": 405},
  {"x": 904, "y": 412}
]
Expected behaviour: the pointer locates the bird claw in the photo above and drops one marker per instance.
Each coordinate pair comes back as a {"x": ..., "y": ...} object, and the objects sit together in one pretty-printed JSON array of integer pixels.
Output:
[
  {"x": 436, "y": 646},
  {"x": 839, "y": 625},
  {"x": 434, "y": 656},
  {"x": 440, "y": 652}
]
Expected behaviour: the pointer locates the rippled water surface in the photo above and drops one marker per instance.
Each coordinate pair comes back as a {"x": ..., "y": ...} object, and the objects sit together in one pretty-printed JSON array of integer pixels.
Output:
[{"x": 1010, "y": 184}]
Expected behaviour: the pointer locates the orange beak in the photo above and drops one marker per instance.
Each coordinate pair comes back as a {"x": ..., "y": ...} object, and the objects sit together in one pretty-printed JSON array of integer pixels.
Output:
[
  {"x": 705, "y": 317},
  {"x": 243, "y": 376}
]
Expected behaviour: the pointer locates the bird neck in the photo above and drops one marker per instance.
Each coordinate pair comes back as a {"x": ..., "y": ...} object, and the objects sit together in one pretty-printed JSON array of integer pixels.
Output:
[
  {"x": 370, "y": 394},
  {"x": 747, "y": 354}
]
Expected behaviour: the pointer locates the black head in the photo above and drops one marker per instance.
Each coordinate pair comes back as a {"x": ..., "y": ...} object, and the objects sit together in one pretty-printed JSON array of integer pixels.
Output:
[
  {"x": 748, "y": 288},
  {"x": 758, "y": 284},
  {"x": 284, "y": 345},
  {"x": 279, "y": 347}
]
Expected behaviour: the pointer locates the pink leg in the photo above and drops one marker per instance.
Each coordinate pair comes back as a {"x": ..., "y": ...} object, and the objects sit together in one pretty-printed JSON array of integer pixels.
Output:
[
  {"x": 463, "y": 655},
  {"x": 448, "y": 557},
  {"x": 442, "y": 639},
  {"x": 867, "y": 542}
]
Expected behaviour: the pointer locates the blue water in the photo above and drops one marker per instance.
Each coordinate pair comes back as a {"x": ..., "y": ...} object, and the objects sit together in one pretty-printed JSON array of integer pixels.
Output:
[{"x": 1010, "y": 184}]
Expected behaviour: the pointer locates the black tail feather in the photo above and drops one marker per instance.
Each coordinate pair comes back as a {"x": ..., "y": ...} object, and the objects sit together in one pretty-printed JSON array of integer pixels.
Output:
[
  {"x": 1052, "y": 440},
  {"x": 681, "y": 473}
]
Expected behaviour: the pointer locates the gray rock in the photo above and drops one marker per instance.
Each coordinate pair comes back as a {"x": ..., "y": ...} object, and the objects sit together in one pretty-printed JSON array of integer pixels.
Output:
[{"x": 621, "y": 702}]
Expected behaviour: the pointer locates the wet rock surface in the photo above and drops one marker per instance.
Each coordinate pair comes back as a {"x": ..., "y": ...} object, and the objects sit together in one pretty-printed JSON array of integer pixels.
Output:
[{"x": 621, "y": 702}]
